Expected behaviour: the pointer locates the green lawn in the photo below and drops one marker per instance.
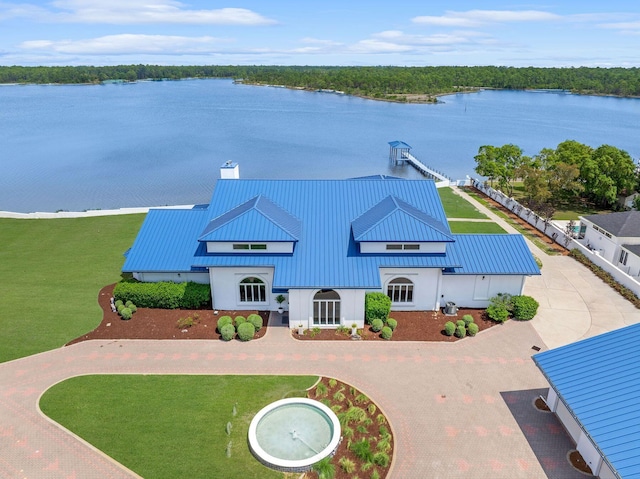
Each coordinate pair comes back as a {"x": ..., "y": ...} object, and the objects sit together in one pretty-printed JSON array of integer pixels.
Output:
[
  {"x": 457, "y": 207},
  {"x": 476, "y": 227},
  {"x": 171, "y": 426},
  {"x": 51, "y": 272}
]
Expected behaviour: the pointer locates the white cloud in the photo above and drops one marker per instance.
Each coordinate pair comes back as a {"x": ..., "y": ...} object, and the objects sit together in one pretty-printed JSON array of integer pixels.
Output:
[
  {"x": 126, "y": 44},
  {"x": 474, "y": 18},
  {"x": 133, "y": 12}
]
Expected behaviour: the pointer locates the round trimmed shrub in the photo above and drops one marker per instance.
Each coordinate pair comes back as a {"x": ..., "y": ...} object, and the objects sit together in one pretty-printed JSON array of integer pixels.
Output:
[
  {"x": 386, "y": 332},
  {"x": 461, "y": 331},
  {"x": 256, "y": 320},
  {"x": 377, "y": 325},
  {"x": 498, "y": 312},
  {"x": 228, "y": 332},
  {"x": 128, "y": 304},
  {"x": 120, "y": 307},
  {"x": 246, "y": 331},
  {"x": 133, "y": 308},
  {"x": 125, "y": 313},
  {"x": 449, "y": 328},
  {"x": 118, "y": 302},
  {"x": 468, "y": 319},
  {"x": 239, "y": 320},
  {"x": 472, "y": 329},
  {"x": 223, "y": 321},
  {"x": 524, "y": 307},
  {"x": 392, "y": 323},
  {"x": 461, "y": 323}
]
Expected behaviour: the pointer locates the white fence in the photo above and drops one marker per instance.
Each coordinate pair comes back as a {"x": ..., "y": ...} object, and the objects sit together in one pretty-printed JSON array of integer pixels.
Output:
[{"x": 558, "y": 235}]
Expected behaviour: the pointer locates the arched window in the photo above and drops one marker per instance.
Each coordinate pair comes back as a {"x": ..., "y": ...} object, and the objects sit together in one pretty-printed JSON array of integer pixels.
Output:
[
  {"x": 252, "y": 290},
  {"x": 400, "y": 290},
  {"x": 326, "y": 307}
]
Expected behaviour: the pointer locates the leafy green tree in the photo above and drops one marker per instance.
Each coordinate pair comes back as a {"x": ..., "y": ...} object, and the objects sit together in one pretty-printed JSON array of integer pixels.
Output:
[{"x": 500, "y": 163}]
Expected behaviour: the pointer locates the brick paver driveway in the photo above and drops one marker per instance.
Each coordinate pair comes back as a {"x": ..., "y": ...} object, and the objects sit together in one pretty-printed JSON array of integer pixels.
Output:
[{"x": 457, "y": 410}]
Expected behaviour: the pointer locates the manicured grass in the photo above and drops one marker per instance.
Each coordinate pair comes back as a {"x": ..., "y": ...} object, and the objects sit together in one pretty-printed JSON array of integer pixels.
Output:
[
  {"x": 171, "y": 426},
  {"x": 533, "y": 238},
  {"x": 476, "y": 227},
  {"x": 51, "y": 272},
  {"x": 457, "y": 207}
]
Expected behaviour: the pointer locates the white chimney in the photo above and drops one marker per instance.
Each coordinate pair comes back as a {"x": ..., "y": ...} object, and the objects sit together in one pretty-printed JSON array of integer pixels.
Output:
[{"x": 230, "y": 171}]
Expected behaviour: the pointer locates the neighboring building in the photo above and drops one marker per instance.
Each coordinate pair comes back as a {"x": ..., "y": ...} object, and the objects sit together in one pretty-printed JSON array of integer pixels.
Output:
[
  {"x": 324, "y": 244},
  {"x": 615, "y": 236},
  {"x": 595, "y": 386},
  {"x": 627, "y": 201}
]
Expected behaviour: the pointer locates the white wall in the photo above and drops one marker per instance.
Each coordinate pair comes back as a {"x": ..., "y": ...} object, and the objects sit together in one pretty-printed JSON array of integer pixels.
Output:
[
  {"x": 606, "y": 472},
  {"x": 589, "y": 453},
  {"x": 272, "y": 247},
  {"x": 301, "y": 308},
  {"x": 381, "y": 247},
  {"x": 552, "y": 399},
  {"x": 632, "y": 268},
  {"x": 474, "y": 291},
  {"x": 175, "y": 277},
  {"x": 567, "y": 420},
  {"x": 426, "y": 287},
  {"x": 559, "y": 236},
  {"x": 606, "y": 247},
  {"x": 225, "y": 293}
]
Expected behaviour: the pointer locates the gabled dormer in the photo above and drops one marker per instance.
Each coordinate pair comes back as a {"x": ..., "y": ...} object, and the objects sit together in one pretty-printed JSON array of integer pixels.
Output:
[
  {"x": 253, "y": 227},
  {"x": 393, "y": 226}
]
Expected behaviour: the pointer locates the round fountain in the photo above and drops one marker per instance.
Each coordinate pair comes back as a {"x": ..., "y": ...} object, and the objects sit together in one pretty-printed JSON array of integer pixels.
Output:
[{"x": 291, "y": 435}]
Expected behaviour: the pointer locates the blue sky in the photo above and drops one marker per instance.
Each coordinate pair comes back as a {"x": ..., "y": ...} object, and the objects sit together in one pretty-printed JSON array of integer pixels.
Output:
[{"x": 345, "y": 32}]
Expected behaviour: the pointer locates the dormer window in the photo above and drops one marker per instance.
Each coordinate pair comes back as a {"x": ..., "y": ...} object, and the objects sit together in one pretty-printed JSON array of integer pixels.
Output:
[
  {"x": 400, "y": 247},
  {"x": 246, "y": 246}
]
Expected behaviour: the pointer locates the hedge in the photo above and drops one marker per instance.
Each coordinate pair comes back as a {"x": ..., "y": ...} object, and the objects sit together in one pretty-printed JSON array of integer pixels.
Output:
[
  {"x": 376, "y": 306},
  {"x": 164, "y": 295}
]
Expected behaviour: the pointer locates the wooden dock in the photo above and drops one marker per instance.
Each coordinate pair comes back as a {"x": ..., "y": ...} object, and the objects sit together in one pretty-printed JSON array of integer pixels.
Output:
[{"x": 422, "y": 168}]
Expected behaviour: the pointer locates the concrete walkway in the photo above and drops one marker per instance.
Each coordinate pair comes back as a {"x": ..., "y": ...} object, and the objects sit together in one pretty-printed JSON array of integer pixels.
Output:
[{"x": 574, "y": 303}]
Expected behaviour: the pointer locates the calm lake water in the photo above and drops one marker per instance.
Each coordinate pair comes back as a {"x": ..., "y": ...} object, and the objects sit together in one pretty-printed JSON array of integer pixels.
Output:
[{"x": 158, "y": 143}]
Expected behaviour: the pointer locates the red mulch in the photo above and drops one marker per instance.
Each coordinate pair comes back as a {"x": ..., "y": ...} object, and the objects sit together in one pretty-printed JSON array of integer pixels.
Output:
[
  {"x": 148, "y": 323},
  {"x": 577, "y": 461},
  {"x": 412, "y": 326}
]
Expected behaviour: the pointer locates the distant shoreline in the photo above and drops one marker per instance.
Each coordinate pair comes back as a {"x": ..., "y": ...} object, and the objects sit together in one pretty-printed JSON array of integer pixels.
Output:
[
  {"x": 402, "y": 98},
  {"x": 40, "y": 215}
]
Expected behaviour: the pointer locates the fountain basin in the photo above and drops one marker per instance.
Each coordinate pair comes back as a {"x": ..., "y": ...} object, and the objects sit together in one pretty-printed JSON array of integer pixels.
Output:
[{"x": 291, "y": 435}]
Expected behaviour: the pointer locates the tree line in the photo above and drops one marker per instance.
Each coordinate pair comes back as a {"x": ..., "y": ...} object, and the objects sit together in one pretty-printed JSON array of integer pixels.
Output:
[
  {"x": 377, "y": 82},
  {"x": 564, "y": 175}
]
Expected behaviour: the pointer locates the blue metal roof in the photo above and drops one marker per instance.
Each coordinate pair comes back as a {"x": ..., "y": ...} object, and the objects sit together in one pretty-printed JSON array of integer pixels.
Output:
[
  {"x": 492, "y": 254},
  {"x": 395, "y": 220},
  {"x": 599, "y": 381},
  {"x": 258, "y": 219},
  {"x": 326, "y": 254},
  {"x": 399, "y": 144}
]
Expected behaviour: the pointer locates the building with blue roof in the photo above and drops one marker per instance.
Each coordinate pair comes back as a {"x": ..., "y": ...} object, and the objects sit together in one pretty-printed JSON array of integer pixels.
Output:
[
  {"x": 323, "y": 244},
  {"x": 595, "y": 386}
]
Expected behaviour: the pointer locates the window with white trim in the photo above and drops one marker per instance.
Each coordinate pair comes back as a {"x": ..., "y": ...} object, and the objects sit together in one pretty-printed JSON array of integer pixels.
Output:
[
  {"x": 623, "y": 257},
  {"x": 253, "y": 290},
  {"x": 326, "y": 308},
  {"x": 400, "y": 290}
]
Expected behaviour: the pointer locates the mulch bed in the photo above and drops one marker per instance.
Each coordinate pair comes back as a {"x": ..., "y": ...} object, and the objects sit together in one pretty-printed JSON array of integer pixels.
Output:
[
  {"x": 578, "y": 462},
  {"x": 559, "y": 249},
  {"x": 412, "y": 326},
  {"x": 148, "y": 323},
  {"x": 343, "y": 396}
]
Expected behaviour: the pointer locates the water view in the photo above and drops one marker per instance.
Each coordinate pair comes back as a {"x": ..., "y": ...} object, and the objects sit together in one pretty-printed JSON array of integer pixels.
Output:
[{"x": 157, "y": 143}]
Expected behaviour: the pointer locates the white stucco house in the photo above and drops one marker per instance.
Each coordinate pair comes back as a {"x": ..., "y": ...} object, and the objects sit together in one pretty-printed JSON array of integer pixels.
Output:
[
  {"x": 323, "y": 244},
  {"x": 616, "y": 237}
]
